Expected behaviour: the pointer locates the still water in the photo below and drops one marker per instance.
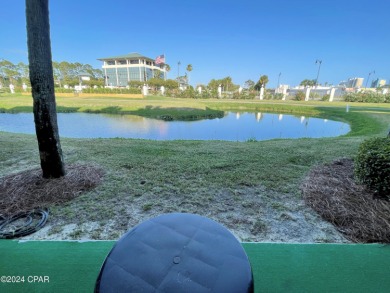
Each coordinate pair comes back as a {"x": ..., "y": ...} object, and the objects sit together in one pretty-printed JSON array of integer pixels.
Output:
[{"x": 232, "y": 127}]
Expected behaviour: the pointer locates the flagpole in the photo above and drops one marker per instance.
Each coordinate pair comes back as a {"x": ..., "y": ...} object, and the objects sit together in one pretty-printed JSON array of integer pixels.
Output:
[{"x": 165, "y": 69}]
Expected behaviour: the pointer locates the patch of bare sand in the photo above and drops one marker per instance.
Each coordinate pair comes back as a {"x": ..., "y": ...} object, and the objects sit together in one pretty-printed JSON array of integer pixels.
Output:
[{"x": 250, "y": 213}]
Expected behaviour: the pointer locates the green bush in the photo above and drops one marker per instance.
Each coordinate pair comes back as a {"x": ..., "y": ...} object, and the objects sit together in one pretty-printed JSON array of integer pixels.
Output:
[
  {"x": 314, "y": 96},
  {"x": 188, "y": 93},
  {"x": 300, "y": 96},
  {"x": 367, "y": 97},
  {"x": 245, "y": 95},
  {"x": 325, "y": 98},
  {"x": 372, "y": 165},
  {"x": 63, "y": 90},
  {"x": 101, "y": 90}
]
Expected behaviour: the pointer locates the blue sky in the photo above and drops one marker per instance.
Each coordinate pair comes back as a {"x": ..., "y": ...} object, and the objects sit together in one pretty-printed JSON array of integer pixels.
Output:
[{"x": 242, "y": 39}]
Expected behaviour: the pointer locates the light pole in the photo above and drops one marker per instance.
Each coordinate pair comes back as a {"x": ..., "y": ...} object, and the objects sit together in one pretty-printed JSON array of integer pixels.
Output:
[
  {"x": 178, "y": 73},
  {"x": 369, "y": 74},
  {"x": 279, "y": 79},
  {"x": 319, "y": 68}
]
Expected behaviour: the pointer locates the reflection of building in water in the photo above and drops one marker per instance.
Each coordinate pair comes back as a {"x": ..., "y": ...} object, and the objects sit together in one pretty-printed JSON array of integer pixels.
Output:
[
  {"x": 259, "y": 116},
  {"x": 163, "y": 128},
  {"x": 237, "y": 115},
  {"x": 136, "y": 123},
  {"x": 280, "y": 117},
  {"x": 325, "y": 120},
  {"x": 302, "y": 119}
]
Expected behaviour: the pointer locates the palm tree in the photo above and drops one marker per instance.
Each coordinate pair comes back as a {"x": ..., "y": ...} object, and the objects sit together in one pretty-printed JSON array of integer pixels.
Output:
[
  {"x": 263, "y": 80},
  {"x": 189, "y": 69},
  {"x": 42, "y": 84},
  {"x": 167, "y": 69}
]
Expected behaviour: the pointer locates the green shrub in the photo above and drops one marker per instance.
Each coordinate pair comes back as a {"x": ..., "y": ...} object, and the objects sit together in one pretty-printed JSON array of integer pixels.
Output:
[
  {"x": 314, "y": 96},
  {"x": 188, "y": 93},
  {"x": 245, "y": 95},
  {"x": 372, "y": 165},
  {"x": 300, "y": 96},
  {"x": 63, "y": 90},
  {"x": 101, "y": 90},
  {"x": 367, "y": 97},
  {"x": 278, "y": 96},
  {"x": 325, "y": 98}
]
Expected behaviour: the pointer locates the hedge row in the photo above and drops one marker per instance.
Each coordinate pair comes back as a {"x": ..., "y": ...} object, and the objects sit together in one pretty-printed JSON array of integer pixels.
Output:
[{"x": 367, "y": 98}]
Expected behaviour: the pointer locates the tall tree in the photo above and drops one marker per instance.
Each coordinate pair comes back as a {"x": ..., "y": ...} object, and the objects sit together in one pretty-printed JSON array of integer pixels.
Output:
[
  {"x": 262, "y": 82},
  {"x": 226, "y": 83},
  {"x": 308, "y": 82},
  {"x": 249, "y": 84},
  {"x": 189, "y": 69},
  {"x": 8, "y": 71},
  {"x": 42, "y": 83}
]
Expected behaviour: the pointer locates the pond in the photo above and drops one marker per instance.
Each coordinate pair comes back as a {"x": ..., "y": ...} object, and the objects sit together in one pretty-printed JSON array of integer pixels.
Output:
[{"x": 232, "y": 127}]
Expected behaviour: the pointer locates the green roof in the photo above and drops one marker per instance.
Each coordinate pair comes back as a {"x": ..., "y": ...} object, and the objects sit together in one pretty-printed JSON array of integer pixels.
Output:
[{"x": 127, "y": 56}]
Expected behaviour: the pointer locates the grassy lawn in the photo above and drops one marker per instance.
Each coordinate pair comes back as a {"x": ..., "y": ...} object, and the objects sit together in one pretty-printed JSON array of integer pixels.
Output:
[{"x": 237, "y": 183}]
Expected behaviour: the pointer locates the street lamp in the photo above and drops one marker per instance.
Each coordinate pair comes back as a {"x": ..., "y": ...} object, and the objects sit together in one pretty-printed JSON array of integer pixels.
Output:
[
  {"x": 372, "y": 72},
  {"x": 178, "y": 73},
  {"x": 319, "y": 68},
  {"x": 279, "y": 79}
]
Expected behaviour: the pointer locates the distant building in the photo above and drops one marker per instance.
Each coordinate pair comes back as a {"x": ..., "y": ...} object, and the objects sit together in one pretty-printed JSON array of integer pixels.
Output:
[
  {"x": 119, "y": 70},
  {"x": 84, "y": 76},
  {"x": 355, "y": 82},
  {"x": 378, "y": 83},
  {"x": 183, "y": 82}
]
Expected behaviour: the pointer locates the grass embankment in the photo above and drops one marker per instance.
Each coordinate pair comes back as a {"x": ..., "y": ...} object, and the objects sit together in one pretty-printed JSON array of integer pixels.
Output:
[
  {"x": 247, "y": 186},
  {"x": 189, "y": 109},
  {"x": 152, "y": 107}
]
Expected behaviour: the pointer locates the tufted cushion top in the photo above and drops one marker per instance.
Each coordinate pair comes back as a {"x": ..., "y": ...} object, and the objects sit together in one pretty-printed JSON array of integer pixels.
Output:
[{"x": 176, "y": 253}]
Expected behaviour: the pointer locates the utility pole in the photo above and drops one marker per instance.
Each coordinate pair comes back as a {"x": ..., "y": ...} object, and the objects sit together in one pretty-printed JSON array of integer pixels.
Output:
[
  {"x": 369, "y": 74},
  {"x": 178, "y": 73},
  {"x": 319, "y": 68}
]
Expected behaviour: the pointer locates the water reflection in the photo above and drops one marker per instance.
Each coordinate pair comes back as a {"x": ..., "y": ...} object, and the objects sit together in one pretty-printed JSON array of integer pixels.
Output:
[{"x": 234, "y": 126}]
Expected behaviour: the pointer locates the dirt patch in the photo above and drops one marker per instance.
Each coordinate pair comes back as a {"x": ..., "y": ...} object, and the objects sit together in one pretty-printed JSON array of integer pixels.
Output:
[
  {"x": 332, "y": 191},
  {"x": 27, "y": 190},
  {"x": 253, "y": 214}
]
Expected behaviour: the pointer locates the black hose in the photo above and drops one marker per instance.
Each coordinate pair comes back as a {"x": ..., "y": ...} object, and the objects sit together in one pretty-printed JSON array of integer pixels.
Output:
[{"x": 34, "y": 220}]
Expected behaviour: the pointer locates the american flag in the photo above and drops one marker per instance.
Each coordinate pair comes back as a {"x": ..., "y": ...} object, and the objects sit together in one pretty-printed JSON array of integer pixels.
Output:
[{"x": 160, "y": 59}]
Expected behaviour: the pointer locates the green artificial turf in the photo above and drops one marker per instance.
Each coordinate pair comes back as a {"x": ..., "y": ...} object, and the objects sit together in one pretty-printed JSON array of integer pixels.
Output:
[{"x": 74, "y": 266}]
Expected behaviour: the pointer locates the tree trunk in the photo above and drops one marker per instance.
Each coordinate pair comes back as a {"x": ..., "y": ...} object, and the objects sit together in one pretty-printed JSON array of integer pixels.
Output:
[{"x": 42, "y": 83}]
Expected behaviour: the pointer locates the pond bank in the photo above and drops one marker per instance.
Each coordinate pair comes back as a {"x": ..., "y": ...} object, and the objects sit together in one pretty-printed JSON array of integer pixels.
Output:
[{"x": 253, "y": 188}]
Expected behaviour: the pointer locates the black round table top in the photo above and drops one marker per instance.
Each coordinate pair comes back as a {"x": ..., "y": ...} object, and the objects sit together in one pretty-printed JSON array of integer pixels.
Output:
[{"x": 176, "y": 253}]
